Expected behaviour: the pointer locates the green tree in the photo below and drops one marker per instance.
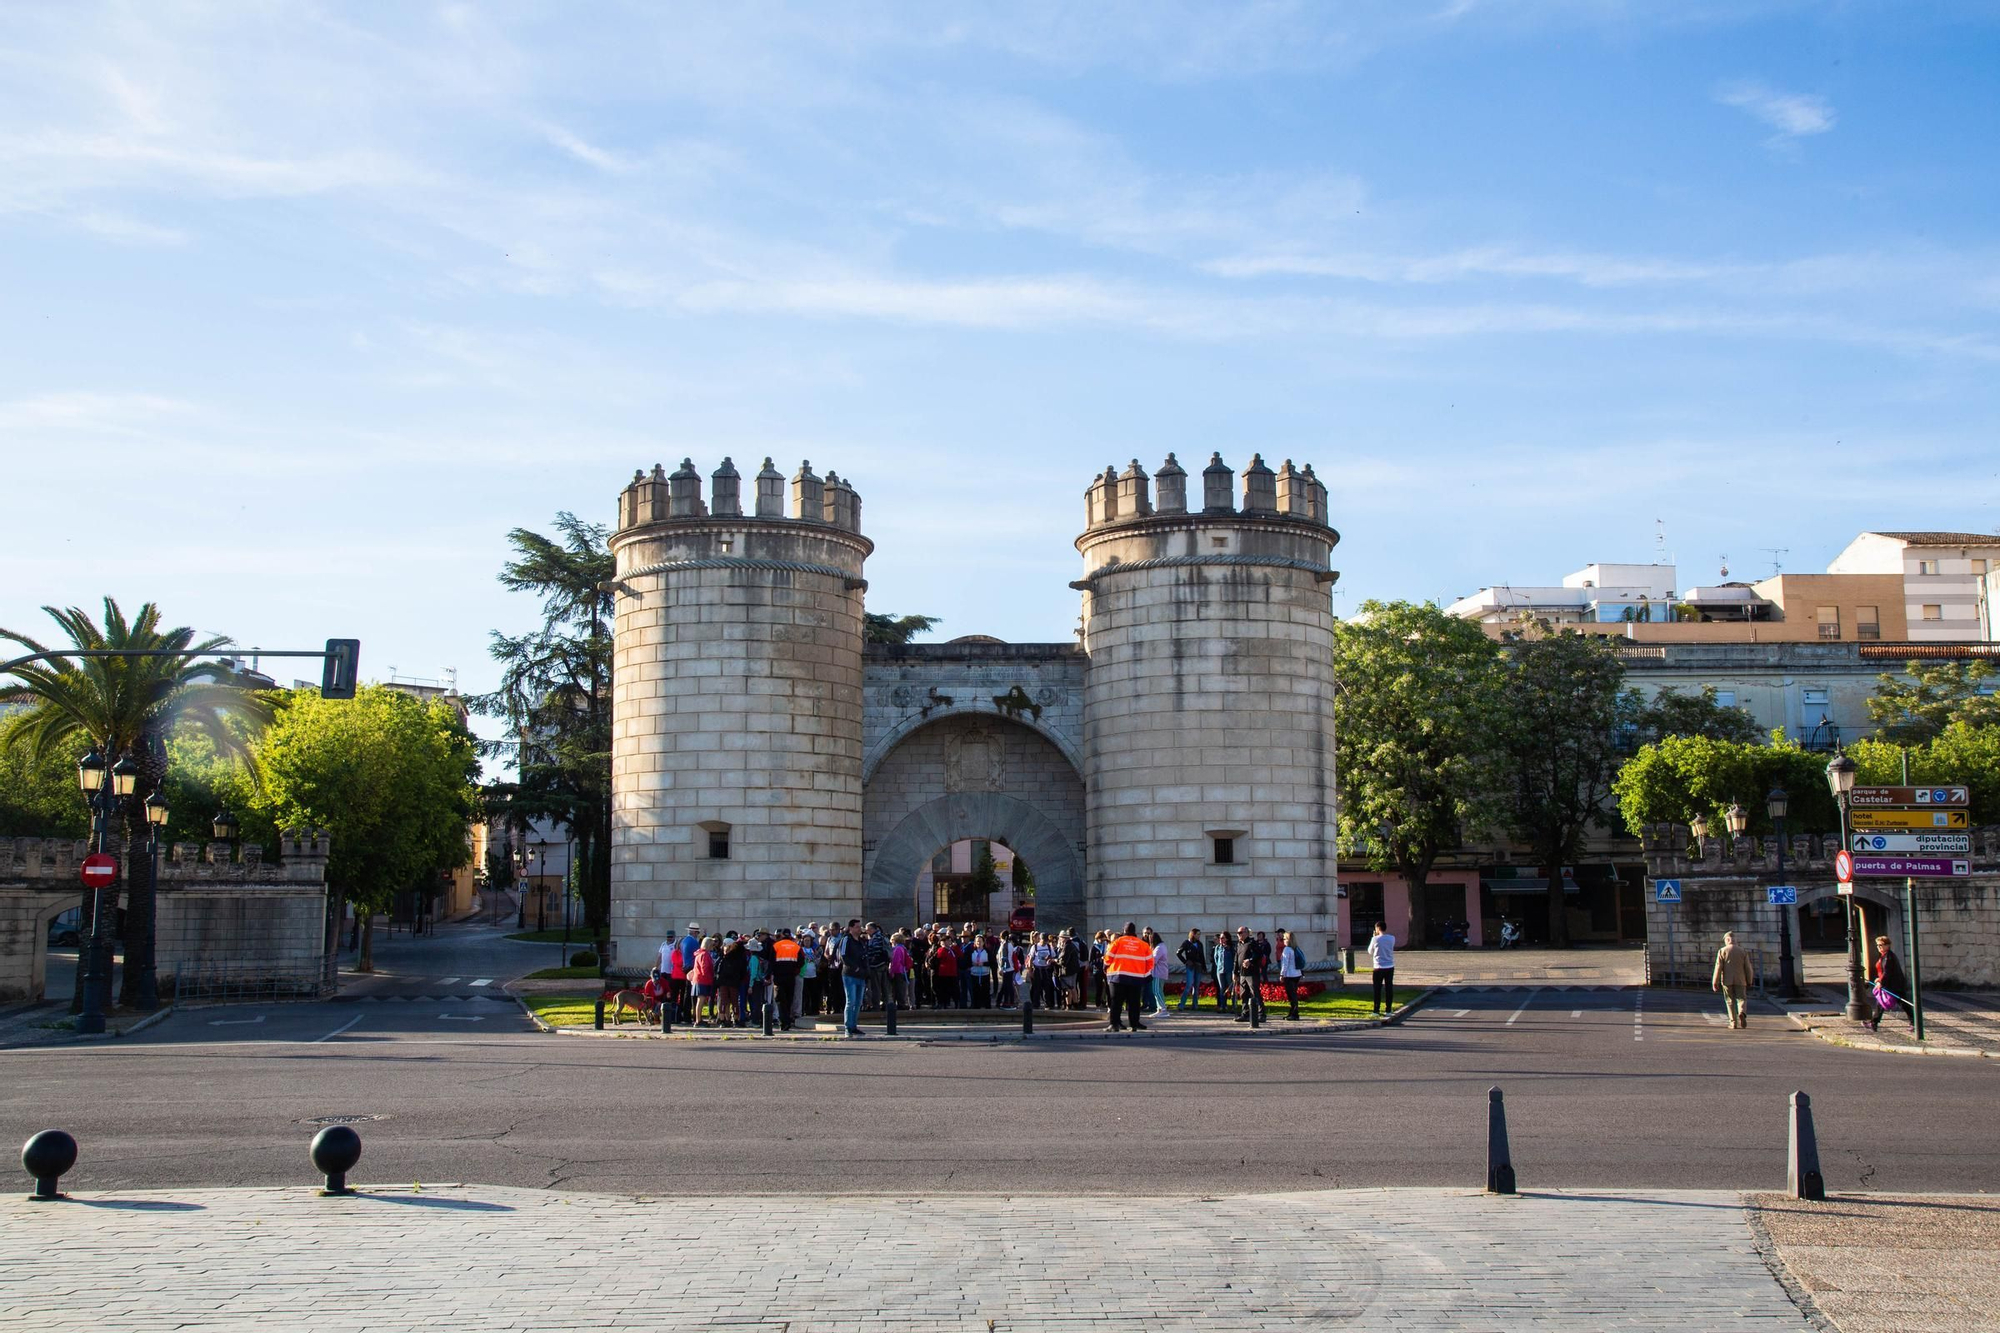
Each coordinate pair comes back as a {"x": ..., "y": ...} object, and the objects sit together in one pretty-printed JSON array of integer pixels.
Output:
[
  {"x": 555, "y": 694},
  {"x": 1911, "y": 712},
  {"x": 1566, "y": 722},
  {"x": 128, "y": 707},
  {"x": 39, "y": 798},
  {"x": 390, "y": 779},
  {"x": 1678, "y": 777},
  {"x": 886, "y": 628},
  {"x": 985, "y": 881},
  {"x": 1962, "y": 753},
  {"x": 1417, "y": 715},
  {"x": 1671, "y": 713}
]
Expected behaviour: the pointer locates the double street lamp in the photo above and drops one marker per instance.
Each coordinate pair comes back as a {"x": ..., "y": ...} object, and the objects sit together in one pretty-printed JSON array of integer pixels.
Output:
[
  {"x": 1840, "y": 772},
  {"x": 103, "y": 789}
]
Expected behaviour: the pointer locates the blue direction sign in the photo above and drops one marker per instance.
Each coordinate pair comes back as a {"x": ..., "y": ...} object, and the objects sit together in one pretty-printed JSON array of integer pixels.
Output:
[
  {"x": 1782, "y": 895},
  {"x": 1667, "y": 890}
]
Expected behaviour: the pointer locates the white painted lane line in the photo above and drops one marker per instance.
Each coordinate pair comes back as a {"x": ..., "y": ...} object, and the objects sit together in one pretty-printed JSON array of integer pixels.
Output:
[
  {"x": 1639, "y": 1016},
  {"x": 447, "y": 981},
  {"x": 1460, "y": 1013},
  {"x": 463, "y": 1018},
  {"x": 1523, "y": 1009},
  {"x": 484, "y": 981},
  {"x": 234, "y": 1022},
  {"x": 1576, "y": 1013},
  {"x": 337, "y": 1031}
]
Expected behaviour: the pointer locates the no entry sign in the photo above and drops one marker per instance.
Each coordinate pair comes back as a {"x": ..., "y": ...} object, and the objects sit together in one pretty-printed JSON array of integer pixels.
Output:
[{"x": 98, "y": 869}]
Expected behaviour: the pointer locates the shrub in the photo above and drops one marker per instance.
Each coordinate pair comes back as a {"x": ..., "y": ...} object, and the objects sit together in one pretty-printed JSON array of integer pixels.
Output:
[{"x": 583, "y": 958}]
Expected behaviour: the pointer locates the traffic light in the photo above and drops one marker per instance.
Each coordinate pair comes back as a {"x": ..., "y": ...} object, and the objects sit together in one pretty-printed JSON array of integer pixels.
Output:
[{"x": 343, "y": 663}]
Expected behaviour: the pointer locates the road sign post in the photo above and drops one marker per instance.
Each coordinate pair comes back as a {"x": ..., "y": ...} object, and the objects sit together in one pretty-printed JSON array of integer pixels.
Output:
[{"x": 1668, "y": 893}]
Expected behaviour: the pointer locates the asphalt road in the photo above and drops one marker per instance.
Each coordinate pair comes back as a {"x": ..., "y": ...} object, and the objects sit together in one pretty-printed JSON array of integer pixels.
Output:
[{"x": 1604, "y": 1088}]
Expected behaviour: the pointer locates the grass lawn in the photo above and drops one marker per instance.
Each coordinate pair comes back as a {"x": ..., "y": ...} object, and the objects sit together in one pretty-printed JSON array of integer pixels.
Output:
[
  {"x": 565, "y": 1011},
  {"x": 579, "y": 938},
  {"x": 1351, "y": 1002},
  {"x": 566, "y": 974}
]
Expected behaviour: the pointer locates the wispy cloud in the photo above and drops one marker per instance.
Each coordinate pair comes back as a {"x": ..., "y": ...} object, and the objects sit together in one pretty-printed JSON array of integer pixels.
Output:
[{"x": 1792, "y": 115}]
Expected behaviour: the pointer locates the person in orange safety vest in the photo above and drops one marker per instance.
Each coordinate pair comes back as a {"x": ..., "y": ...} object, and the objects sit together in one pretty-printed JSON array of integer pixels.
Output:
[{"x": 1129, "y": 965}]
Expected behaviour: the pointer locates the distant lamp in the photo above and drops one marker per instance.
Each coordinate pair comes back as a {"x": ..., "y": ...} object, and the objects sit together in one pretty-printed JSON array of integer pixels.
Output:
[
  {"x": 156, "y": 811},
  {"x": 1737, "y": 818},
  {"x": 1698, "y": 825},
  {"x": 225, "y": 826},
  {"x": 124, "y": 777},
  {"x": 1777, "y": 803},
  {"x": 1840, "y": 771},
  {"x": 90, "y": 771}
]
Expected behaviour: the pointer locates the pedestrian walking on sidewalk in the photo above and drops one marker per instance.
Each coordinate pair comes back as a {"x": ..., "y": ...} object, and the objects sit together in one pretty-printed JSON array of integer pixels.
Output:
[
  {"x": 1733, "y": 978},
  {"x": 1249, "y": 978},
  {"x": 1382, "y": 968},
  {"x": 1129, "y": 964},
  {"x": 1890, "y": 981}
]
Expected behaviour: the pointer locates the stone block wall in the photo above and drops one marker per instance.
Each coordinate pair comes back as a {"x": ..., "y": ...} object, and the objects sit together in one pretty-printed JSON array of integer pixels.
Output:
[
  {"x": 737, "y": 706},
  {"x": 1723, "y": 889}
]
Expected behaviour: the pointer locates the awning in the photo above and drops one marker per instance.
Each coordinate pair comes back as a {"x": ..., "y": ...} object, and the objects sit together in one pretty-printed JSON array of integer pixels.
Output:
[{"x": 1526, "y": 884}]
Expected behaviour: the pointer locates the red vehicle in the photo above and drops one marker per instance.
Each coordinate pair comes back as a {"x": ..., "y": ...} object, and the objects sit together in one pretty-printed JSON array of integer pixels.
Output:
[{"x": 1023, "y": 917}]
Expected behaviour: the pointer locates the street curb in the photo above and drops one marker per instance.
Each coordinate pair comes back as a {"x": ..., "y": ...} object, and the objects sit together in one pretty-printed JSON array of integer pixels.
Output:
[
  {"x": 159, "y": 1015},
  {"x": 1774, "y": 1261},
  {"x": 1832, "y": 1038},
  {"x": 1094, "y": 1033}
]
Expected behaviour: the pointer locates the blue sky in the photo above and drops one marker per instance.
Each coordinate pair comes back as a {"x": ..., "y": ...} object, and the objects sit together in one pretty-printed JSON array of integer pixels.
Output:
[{"x": 306, "y": 305}]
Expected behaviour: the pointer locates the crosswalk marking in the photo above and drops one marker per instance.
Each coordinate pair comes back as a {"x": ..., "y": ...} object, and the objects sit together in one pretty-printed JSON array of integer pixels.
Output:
[
  {"x": 447, "y": 981},
  {"x": 484, "y": 981},
  {"x": 1460, "y": 1013},
  {"x": 1523, "y": 1009},
  {"x": 1576, "y": 1013},
  {"x": 1712, "y": 1017}
]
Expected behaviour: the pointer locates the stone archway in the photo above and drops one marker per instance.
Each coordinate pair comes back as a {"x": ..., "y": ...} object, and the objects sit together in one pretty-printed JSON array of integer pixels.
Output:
[
  {"x": 974, "y": 776},
  {"x": 1882, "y": 909},
  {"x": 896, "y": 863}
]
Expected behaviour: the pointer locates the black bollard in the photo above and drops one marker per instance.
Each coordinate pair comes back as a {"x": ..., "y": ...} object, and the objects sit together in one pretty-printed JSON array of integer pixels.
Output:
[
  {"x": 889, "y": 1019},
  {"x": 666, "y": 1015},
  {"x": 1027, "y": 1020},
  {"x": 1802, "y": 1177},
  {"x": 769, "y": 1009},
  {"x": 47, "y": 1156},
  {"x": 335, "y": 1150},
  {"x": 600, "y": 1013},
  {"x": 1499, "y": 1162}
]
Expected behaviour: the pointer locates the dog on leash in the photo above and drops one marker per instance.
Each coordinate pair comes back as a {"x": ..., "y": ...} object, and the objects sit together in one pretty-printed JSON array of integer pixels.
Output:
[{"x": 624, "y": 997}]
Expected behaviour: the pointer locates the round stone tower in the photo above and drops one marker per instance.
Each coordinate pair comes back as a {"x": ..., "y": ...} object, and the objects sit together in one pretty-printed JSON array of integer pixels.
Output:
[
  {"x": 736, "y": 749},
  {"x": 1209, "y": 700}
]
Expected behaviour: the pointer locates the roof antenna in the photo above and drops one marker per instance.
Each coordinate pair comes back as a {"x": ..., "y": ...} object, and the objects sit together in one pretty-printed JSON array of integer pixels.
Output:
[
  {"x": 1777, "y": 554},
  {"x": 1660, "y": 541}
]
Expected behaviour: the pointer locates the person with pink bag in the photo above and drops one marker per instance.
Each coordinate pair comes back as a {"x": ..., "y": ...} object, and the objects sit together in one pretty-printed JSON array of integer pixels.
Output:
[{"x": 1892, "y": 987}]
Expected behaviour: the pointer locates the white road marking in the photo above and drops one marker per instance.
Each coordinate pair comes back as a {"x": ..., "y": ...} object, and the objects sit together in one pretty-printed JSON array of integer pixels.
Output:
[
  {"x": 1713, "y": 1018},
  {"x": 484, "y": 981},
  {"x": 463, "y": 1018},
  {"x": 234, "y": 1022},
  {"x": 1523, "y": 1009},
  {"x": 336, "y": 1032},
  {"x": 1576, "y": 1013},
  {"x": 1460, "y": 1013},
  {"x": 447, "y": 981},
  {"x": 1639, "y": 1016}
]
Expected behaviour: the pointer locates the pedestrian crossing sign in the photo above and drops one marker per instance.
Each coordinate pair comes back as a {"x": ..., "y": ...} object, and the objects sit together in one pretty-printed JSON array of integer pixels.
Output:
[{"x": 1667, "y": 890}]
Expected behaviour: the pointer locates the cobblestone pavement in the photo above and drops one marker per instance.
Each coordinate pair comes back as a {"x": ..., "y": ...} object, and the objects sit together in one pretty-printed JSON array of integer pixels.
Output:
[
  {"x": 479, "y": 1259},
  {"x": 1893, "y": 1264}
]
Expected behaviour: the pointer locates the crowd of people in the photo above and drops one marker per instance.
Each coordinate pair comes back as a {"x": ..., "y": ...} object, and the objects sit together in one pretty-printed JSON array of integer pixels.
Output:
[{"x": 725, "y": 979}]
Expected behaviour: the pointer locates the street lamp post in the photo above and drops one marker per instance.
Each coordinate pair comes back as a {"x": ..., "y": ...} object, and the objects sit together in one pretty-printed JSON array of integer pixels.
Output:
[
  {"x": 156, "y": 820},
  {"x": 1776, "y": 805},
  {"x": 1840, "y": 771},
  {"x": 103, "y": 788}
]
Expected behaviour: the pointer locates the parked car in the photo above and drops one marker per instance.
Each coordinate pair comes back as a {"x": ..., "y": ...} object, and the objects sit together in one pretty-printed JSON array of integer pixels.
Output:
[
  {"x": 63, "y": 929},
  {"x": 1023, "y": 917}
]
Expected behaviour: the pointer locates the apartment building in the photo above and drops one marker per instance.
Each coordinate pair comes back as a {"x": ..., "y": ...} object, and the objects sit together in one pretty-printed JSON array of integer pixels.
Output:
[{"x": 1946, "y": 577}]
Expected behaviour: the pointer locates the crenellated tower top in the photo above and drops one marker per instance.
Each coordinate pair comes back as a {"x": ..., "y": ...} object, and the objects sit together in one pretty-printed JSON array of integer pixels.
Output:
[
  {"x": 661, "y": 497},
  {"x": 1117, "y": 498}
]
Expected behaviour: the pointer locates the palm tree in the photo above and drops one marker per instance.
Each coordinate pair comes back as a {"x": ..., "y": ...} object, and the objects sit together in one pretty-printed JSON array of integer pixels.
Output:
[{"x": 128, "y": 706}]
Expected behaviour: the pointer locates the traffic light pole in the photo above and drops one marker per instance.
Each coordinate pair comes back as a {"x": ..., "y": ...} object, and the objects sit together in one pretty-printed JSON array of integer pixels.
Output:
[{"x": 342, "y": 658}]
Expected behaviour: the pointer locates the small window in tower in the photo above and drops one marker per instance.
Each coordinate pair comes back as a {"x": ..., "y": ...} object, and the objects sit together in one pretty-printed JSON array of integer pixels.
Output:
[
  {"x": 1225, "y": 851},
  {"x": 718, "y": 846}
]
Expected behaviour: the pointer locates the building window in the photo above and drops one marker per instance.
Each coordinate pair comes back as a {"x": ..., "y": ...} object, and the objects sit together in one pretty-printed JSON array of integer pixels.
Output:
[
  {"x": 1933, "y": 611},
  {"x": 1927, "y": 566},
  {"x": 1867, "y": 623},
  {"x": 1225, "y": 851},
  {"x": 718, "y": 846},
  {"x": 1725, "y": 698},
  {"x": 1815, "y": 694},
  {"x": 1829, "y": 622}
]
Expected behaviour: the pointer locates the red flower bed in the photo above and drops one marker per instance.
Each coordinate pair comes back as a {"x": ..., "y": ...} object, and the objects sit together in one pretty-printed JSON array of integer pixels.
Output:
[{"x": 1271, "y": 990}]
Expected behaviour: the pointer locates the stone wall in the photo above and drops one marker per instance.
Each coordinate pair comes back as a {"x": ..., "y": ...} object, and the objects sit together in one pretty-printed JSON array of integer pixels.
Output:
[
  {"x": 737, "y": 706},
  {"x": 1723, "y": 889},
  {"x": 1209, "y": 707},
  {"x": 224, "y": 913}
]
